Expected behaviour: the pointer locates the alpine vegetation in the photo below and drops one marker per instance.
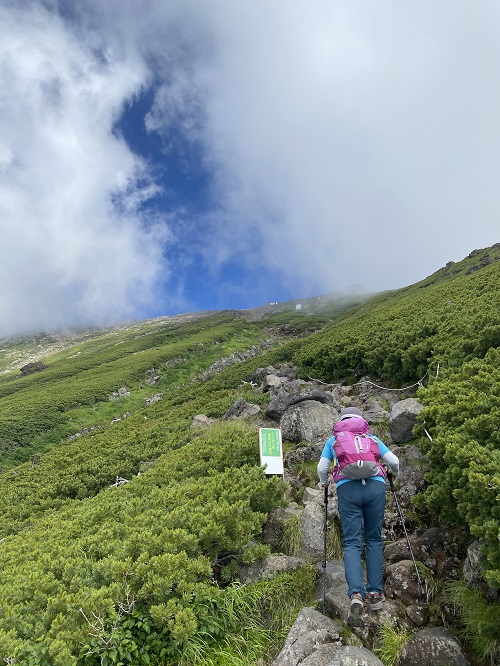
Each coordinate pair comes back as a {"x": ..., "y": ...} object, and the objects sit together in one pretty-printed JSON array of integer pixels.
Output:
[{"x": 138, "y": 526}]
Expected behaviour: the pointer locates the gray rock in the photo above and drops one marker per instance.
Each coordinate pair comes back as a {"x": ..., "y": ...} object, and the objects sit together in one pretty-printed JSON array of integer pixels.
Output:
[
  {"x": 435, "y": 538},
  {"x": 272, "y": 382},
  {"x": 417, "y": 613},
  {"x": 412, "y": 467},
  {"x": 303, "y": 454},
  {"x": 122, "y": 392},
  {"x": 274, "y": 529},
  {"x": 401, "y": 582},
  {"x": 268, "y": 567},
  {"x": 313, "y": 495},
  {"x": 472, "y": 566},
  {"x": 337, "y": 601},
  {"x": 314, "y": 640},
  {"x": 337, "y": 604},
  {"x": 291, "y": 394},
  {"x": 403, "y": 419},
  {"x": 398, "y": 550},
  {"x": 347, "y": 655},
  {"x": 311, "y": 421},
  {"x": 152, "y": 376},
  {"x": 148, "y": 402},
  {"x": 310, "y": 631},
  {"x": 312, "y": 523},
  {"x": 241, "y": 409},
  {"x": 375, "y": 412},
  {"x": 433, "y": 647},
  {"x": 201, "y": 420},
  {"x": 371, "y": 387},
  {"x": 259, "y": 376},
  {"x": 473, "y": 571}
]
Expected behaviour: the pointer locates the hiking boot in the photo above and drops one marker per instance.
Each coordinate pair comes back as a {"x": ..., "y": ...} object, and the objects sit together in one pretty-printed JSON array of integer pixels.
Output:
[
  {"x": 376, "y": 600},
  {"x": 355, "y": 619}
]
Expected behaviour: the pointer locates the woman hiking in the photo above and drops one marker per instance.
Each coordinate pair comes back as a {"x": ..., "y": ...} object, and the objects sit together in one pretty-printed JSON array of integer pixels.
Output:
[{"x": 359, "y": 478}]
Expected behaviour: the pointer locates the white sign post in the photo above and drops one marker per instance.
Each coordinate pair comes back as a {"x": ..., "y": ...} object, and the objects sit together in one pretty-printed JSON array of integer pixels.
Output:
[{"x": 271, "y": 451}]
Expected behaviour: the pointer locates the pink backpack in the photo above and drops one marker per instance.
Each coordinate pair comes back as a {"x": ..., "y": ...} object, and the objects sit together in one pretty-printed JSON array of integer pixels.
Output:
[{"x": 357, "y": 452}]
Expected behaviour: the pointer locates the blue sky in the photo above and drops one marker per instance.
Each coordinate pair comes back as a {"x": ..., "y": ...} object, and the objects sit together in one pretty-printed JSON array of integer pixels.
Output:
[{"x": 172, "y": 156}]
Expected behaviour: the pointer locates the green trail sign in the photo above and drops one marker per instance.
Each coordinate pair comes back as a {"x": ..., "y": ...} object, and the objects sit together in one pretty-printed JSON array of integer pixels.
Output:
[{"x": 271, "y": 450}]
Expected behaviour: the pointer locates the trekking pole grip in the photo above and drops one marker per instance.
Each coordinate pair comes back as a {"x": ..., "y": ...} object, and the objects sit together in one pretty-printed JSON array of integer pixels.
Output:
[{"x": 391, "y": 482}]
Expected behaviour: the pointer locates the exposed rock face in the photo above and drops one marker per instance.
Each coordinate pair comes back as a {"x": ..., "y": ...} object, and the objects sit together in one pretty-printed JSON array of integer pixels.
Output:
[
  {"x": 433, "y": 647},
  {"x": 403, "y": 419},
  {"x": 412, "y": 467},
  {"x": 400, "y": 582},
  {"x": 258, "y": 378}
]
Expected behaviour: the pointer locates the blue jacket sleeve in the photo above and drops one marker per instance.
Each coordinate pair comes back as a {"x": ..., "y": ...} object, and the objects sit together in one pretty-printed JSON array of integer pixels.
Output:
[{"x": 328, "y": 451}]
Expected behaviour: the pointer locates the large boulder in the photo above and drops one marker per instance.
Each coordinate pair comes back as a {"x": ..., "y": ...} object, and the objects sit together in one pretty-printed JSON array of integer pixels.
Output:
[
  {"x": 311, "y": 421},
  {"x": 403, "y": 419},
  {"x": 433, "y": 647},
  {"x": 292, "y": 393},
  {"x": 314, "y": 640},
  {"x": 201, "y": 421}
]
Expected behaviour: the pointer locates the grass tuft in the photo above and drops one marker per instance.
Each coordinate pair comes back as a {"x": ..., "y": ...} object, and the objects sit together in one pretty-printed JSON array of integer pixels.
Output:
[
  {"x": 390, "y": 642},
  {"x": 292, "y": 536}
]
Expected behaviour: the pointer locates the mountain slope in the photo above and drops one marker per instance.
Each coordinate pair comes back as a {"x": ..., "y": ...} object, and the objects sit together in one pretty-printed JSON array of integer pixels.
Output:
[{"x": 117, "y": 514}]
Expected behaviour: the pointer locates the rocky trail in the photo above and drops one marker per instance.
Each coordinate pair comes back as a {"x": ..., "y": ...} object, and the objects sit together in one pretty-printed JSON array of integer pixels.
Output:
[{"x": 306, "y": 411}]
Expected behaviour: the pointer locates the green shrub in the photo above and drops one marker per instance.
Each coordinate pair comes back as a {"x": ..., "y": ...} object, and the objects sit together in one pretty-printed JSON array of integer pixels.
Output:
[{"x": 481, "y": 620}]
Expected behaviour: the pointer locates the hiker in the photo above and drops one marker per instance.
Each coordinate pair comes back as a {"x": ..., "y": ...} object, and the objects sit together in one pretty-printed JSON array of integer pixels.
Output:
[{"x": 359, "y": 478}]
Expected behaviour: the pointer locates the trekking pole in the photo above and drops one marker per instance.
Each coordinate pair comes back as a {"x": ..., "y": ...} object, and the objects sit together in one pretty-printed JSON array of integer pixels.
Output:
[
  {"x": 325, "y": 529},
  {"x": 400, "y": 513}
]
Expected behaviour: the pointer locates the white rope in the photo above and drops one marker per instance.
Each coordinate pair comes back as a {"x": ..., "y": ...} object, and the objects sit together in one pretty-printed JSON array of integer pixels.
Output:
[{"x": 383, "y": 388}]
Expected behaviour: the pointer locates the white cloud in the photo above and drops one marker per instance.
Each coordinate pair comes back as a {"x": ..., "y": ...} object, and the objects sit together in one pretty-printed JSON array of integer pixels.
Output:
[
  {"x": 349, "y": 142},
  {"x": 370, "y": 132},
  {"x": 68, "y": 254}
]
